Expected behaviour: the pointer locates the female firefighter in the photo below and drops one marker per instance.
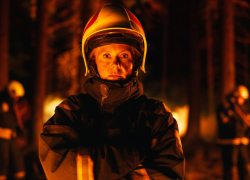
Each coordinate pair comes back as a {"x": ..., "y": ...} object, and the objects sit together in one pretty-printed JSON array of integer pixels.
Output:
[{"x": 112, "y": 131}]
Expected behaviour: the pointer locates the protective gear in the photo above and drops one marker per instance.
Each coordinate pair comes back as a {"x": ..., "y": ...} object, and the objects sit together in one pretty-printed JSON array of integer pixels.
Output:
[
  {"x": 8, "y": 118},
  {"x": 242, "y": 91},
  {"x": 114, "y": 131},
  {"x": 233, "y": 138},
  {"x": 16, "y": 88},
  {"x": 113, "y": 24},
  {"x": 10, "y": 155}
]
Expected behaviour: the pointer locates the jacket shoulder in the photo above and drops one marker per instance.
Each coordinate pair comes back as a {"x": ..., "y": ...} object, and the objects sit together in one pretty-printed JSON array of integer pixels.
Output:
[
  {"x": 156, "y": 106},
  {"x": 66, "y": 120},
  {"x": 73, "y": 102},
  {"x": 157, "y": 113}
]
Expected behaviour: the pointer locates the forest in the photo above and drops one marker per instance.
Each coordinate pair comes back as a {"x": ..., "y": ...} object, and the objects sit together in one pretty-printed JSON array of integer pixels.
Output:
[{"x": 198, "y": 52}]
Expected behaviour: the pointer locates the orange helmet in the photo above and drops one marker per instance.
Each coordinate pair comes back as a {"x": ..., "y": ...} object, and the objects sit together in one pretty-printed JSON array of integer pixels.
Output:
[{"x": 113, "y": 24}]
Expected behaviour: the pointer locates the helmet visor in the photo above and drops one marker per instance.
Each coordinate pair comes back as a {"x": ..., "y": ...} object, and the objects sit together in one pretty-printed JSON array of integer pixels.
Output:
[{"x": 102, "y": 39}]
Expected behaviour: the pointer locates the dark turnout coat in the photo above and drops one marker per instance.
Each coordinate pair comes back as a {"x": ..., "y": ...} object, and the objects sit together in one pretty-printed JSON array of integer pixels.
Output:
[
  {"x": 231, "y": 125},
  {"x": 7, "y": 119},
  {"x": 111, "y": 132}
]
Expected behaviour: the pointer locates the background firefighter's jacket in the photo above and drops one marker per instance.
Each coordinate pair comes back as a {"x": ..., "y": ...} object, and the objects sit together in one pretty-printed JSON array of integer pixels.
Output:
[
  {"x": 230, "y": 120},
  {"x": 111, "y": 132},
  {"x": 7, "y": 117}
]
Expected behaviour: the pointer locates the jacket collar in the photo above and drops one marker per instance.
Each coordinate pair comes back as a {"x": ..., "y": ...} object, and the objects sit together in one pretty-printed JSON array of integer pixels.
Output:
[{"x": 111, "y": 94}]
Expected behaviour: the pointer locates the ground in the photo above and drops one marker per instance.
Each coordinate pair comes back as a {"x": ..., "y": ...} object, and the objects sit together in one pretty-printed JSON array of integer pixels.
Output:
[{"x": 204, "y": 164}]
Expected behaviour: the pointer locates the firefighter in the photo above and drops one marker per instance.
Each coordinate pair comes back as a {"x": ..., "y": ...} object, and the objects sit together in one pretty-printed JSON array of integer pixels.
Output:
[
  {"x": 233, "y": 126},
  {"x": 10, "y": 155},
  {"x": 112, "y": 131}
]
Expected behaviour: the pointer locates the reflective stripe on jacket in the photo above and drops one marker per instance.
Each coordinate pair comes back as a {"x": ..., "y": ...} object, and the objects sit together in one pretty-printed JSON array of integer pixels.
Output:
[
  {"x": 5, "y": 133},
  {"x": 234, "y": 141}
]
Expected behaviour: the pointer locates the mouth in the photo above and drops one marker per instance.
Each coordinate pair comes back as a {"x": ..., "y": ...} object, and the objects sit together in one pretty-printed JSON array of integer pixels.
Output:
[{"x": 116, "y": 76}]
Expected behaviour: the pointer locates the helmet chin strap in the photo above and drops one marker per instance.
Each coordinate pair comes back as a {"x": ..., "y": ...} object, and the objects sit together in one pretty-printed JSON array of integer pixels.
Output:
[{"x": 93, "y": 70}]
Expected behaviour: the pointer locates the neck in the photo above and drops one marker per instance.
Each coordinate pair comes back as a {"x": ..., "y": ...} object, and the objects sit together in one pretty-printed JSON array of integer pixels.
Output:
[{"x": 111, "y": 94}]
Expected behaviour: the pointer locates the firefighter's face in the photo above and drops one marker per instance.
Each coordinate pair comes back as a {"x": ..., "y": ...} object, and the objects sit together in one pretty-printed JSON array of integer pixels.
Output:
[
  {"x": 115, "y": 61},
  {"x": 13, "y": 95}
]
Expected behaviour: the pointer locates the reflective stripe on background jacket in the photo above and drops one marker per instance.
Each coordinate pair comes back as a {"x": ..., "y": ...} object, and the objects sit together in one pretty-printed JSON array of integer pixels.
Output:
[{"x": 111, "y": 132}]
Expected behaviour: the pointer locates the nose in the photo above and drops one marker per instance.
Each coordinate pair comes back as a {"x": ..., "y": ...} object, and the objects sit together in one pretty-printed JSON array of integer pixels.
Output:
[{"x": 117, "y": 62}]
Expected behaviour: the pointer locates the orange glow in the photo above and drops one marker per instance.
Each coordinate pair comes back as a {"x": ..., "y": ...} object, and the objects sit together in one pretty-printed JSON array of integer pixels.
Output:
[
  {"x": 208, "y": 127},
  {"x": 50, "y": 104},
  {"x": 181, "y": 116}
]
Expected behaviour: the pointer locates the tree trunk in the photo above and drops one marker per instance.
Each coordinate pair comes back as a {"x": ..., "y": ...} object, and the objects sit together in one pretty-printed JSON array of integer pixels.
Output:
[
  {"x": 41, "y": 59},
  {"x": 228, "y": 62},
  {"x": 96, "y": 5},
  {"x": 246, "y": 57},
  {"x": 193, "y": 133},
  {"x": 75, "y": 52},
  {"x": 4, "y": 43},
  {"x": 164, "y": 59},
  {"x": 210, "y": 77}
]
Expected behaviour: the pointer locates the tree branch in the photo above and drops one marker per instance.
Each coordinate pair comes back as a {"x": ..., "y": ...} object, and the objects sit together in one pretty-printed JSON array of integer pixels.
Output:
[
  {"x": 242, "y": 3},
  {"x": 242, "y": 40},
  {"x": 60, "y": 25}
]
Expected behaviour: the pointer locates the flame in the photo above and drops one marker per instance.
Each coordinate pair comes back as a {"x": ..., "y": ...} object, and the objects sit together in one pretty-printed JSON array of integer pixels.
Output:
[
  {"x": 50, "y": 104},
  {"x": 181, "y": 116},
  {"x": 208, "y": 123}
]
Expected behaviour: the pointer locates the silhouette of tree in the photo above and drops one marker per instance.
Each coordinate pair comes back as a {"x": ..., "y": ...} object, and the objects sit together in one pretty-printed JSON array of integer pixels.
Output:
[
  {"x": 4, "y": 43},
  {"x": 41, "y": 68},
  {"x": 228, "y": 50}
]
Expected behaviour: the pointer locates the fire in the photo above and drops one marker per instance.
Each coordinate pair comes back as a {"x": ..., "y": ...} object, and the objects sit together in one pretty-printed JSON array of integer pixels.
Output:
[
  {"x": 181, "y": 116},
  {"x": 208, "y": 124},
  {"x": 50, "y": 104}
]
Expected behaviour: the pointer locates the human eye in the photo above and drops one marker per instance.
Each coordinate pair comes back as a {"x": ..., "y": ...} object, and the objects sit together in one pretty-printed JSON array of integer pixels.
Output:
[
  {"x": 106, "y": 56},
  {"x": 124, "y": 56}
]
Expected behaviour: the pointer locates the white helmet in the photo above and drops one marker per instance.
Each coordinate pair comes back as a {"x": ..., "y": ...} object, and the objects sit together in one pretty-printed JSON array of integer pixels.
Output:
[
  {"x": 113, "y": 24},
  {"x": 16, "y": 88},
  {"x": 242, "y": 91}
]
